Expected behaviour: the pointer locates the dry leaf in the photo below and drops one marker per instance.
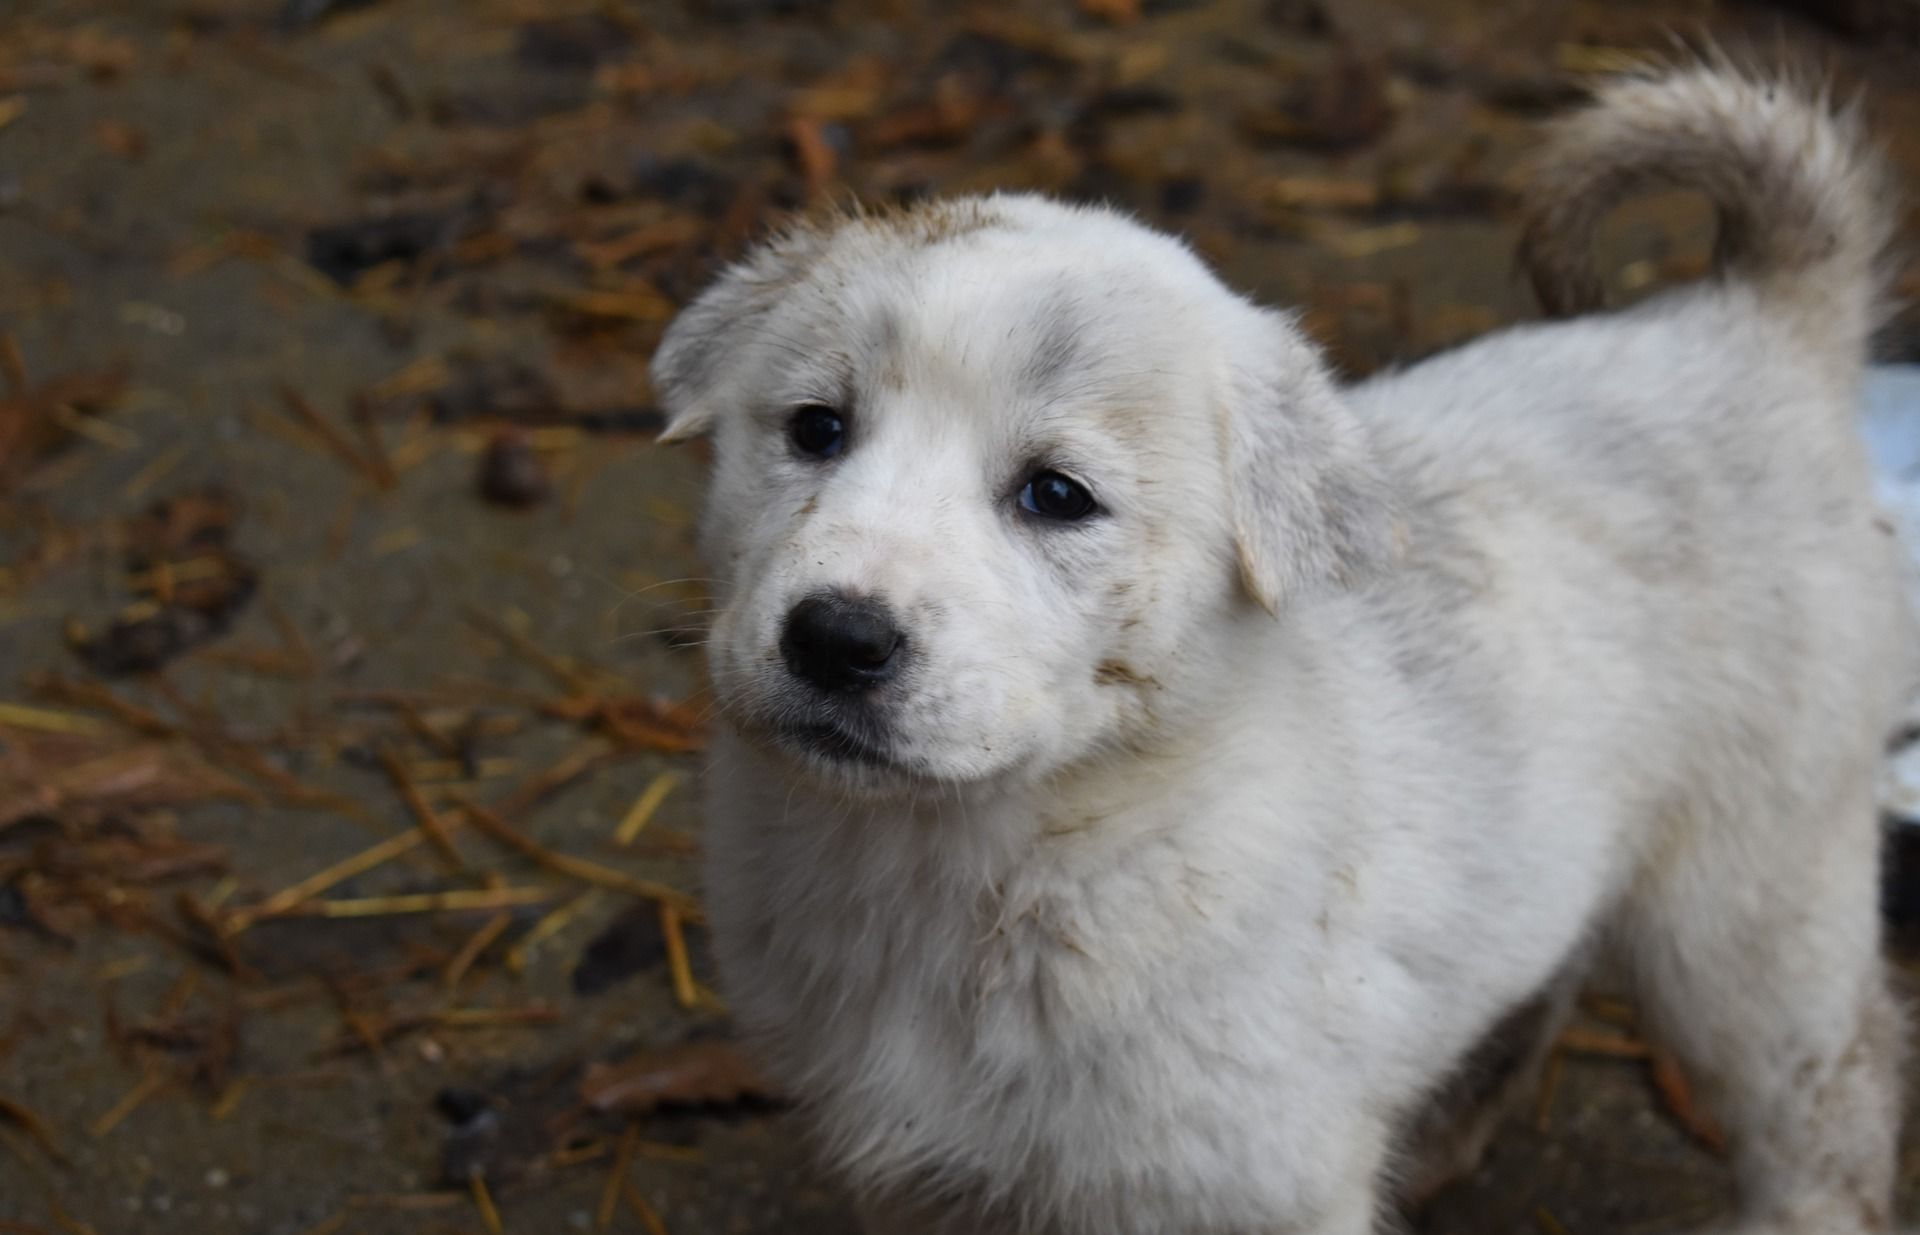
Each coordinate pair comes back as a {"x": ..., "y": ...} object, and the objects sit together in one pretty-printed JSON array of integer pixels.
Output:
[
  {"x": 1119, "y": 12},
  {"x": 711, "y": 1073},
  {"x": 1676, "y": 1095}
]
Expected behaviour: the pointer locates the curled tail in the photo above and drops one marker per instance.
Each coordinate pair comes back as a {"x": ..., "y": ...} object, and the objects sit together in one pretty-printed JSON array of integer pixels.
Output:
[{"x": 1805, "y": 209}]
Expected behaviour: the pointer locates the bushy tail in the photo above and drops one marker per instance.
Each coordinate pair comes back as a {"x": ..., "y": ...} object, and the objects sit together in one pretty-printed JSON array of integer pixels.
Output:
[{"x": 1805, "y": 208}]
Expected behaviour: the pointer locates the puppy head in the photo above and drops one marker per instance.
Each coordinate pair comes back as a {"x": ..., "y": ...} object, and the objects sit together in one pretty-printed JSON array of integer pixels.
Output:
[{"x": 993, "y": 477}]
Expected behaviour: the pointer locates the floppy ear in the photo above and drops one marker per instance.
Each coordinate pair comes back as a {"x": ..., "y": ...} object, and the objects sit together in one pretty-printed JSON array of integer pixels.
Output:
[
  {"x": 1310, "y": 504},
  {"x": 689, "y": 368}
]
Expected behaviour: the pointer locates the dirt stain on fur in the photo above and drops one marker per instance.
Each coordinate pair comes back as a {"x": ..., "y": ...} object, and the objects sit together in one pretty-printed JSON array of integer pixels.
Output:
[{"x": 1120, "y": 673}]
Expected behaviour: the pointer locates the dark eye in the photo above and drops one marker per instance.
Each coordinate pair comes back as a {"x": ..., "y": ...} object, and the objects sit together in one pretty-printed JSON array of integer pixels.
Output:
[
  {"x": 817, "y": 430},
  {"x": 1053, "y": 496}
]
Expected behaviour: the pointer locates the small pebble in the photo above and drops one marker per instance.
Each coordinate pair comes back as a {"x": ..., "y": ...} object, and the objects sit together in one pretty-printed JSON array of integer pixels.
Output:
[{"x": 511, "y": 473}]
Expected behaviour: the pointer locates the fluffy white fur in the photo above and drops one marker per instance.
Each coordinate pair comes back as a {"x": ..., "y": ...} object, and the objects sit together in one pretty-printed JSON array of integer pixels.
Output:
[{"x": 1213, "y": 832}]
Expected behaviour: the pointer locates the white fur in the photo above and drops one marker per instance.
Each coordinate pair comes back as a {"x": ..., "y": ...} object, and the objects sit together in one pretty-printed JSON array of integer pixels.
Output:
[{"x": 1221, "y": 827}]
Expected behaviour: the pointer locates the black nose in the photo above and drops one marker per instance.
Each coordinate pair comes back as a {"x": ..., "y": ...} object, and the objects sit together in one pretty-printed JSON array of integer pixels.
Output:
[{"x": 841, "y": 643}]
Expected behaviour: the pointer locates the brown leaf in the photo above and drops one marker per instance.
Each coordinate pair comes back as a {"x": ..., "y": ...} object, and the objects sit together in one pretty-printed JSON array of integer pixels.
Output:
[
  {"x": 635, "y": 302},
  {"x": 1119, "y": 12},
  {"x": 190, "y": 585},
  {"x": 710, "y": 1073},
  {"x": 849, "y": 94},
  {"x": 953, "y": 113},
  {"x": 646, "y": 724},
  {"x": 1342, "y": 108},
  {"x": 813, "y": 155},
  {"x": 636, "y": 722},
  {"x": 29, "y": 419},
  {"x": 1676, "y": 1095},
  {"x": 119, "y": 138},
  {"x": 61, "y": 776}
]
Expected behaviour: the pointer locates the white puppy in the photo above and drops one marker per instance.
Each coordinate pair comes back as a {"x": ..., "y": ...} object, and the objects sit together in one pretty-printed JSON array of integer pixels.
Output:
[{"x": 1148, "y": 771}]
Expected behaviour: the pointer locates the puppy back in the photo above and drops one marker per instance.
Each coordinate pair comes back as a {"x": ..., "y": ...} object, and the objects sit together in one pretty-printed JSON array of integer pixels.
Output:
[{"x": 1805, "y": 208}]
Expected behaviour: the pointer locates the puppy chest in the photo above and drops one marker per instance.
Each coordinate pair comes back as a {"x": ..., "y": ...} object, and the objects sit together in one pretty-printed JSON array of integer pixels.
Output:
[{"x": 1023, "y": 1051}]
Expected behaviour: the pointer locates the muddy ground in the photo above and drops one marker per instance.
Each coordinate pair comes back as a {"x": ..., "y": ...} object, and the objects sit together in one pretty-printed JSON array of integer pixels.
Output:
[{"x": 328, "y": 507}]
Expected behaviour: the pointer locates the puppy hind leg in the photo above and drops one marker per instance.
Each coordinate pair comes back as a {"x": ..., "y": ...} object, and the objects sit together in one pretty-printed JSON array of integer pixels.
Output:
[{"x": 1755, "y": 946}]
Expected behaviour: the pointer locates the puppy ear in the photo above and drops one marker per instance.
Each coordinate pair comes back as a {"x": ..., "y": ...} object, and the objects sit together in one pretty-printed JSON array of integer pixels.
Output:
[
  {"x": 690, "y": 367},
  {"x": 1310, "y": 504}
]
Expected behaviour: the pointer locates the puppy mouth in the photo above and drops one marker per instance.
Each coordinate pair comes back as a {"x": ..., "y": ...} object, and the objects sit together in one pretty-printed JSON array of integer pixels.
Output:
[{"x": 840, "y": 744}]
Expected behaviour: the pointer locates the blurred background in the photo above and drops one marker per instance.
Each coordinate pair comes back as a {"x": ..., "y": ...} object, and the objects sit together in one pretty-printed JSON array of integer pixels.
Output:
[{"x": 349, "y": 621}]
